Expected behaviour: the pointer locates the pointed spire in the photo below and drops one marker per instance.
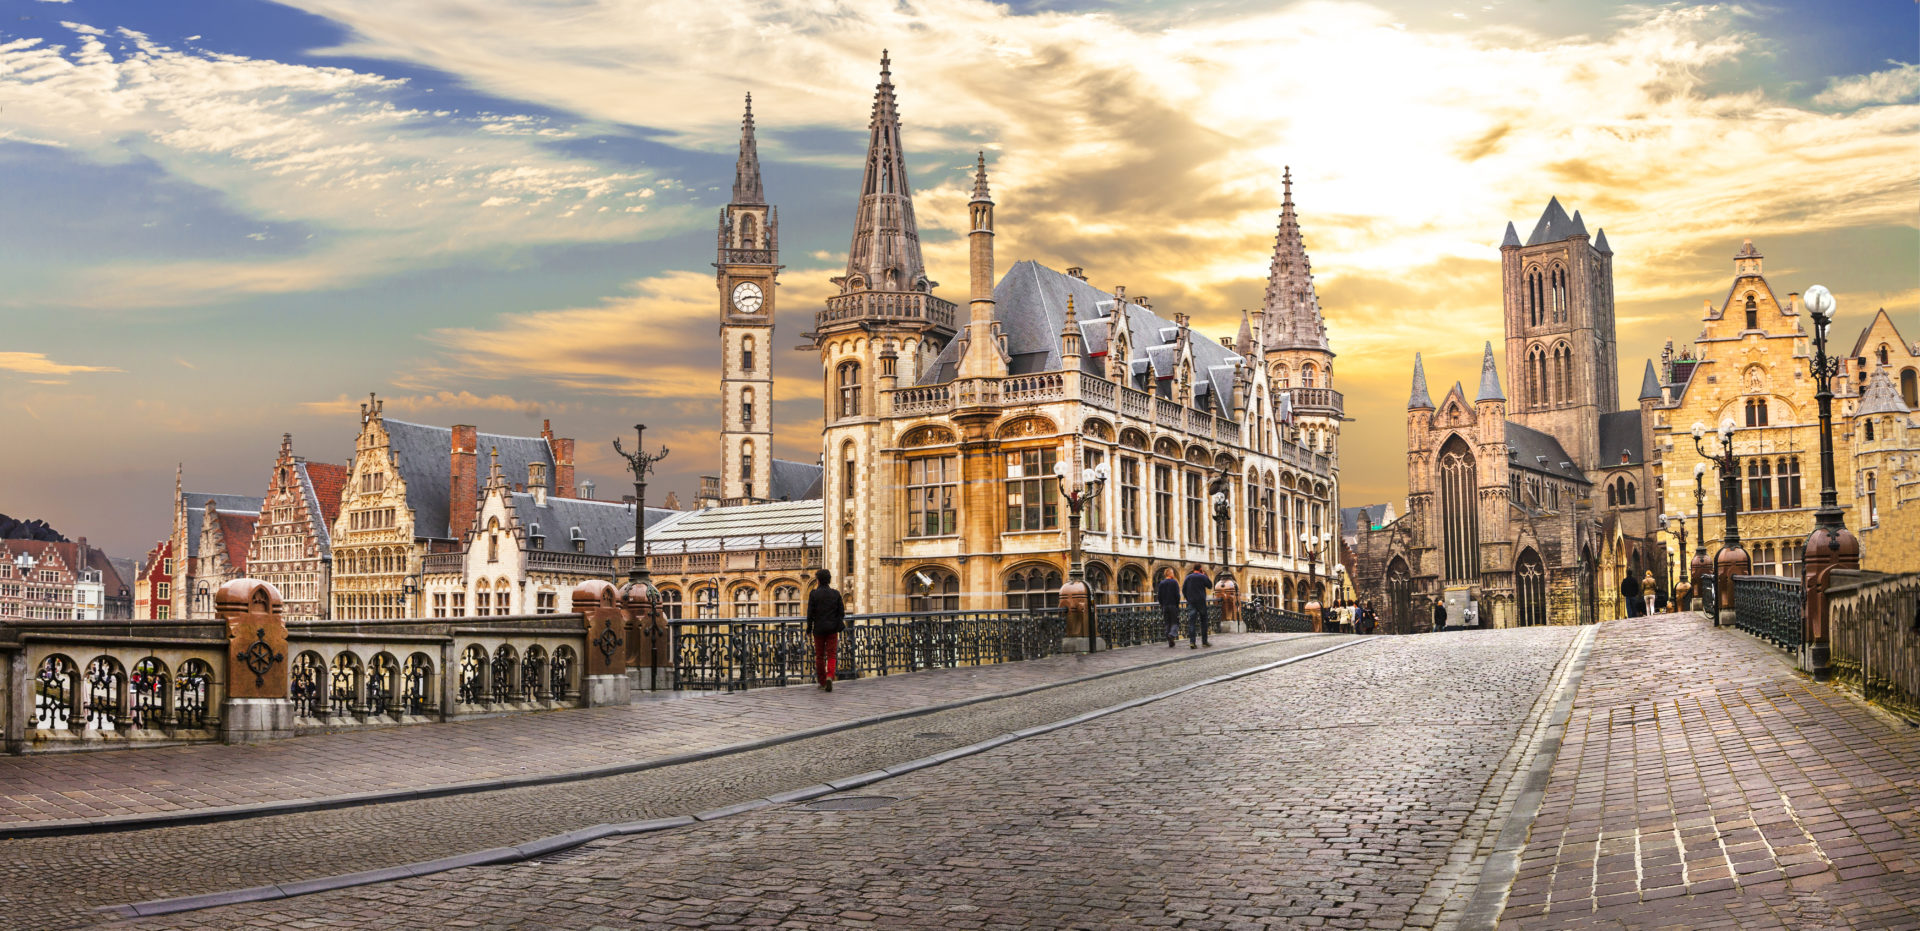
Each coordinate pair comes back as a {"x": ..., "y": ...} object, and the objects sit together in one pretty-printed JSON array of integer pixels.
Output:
[
  {"x": 1600, "y": 242},
  {"x": 1420, "y": 401},
  {"x": 1071, "y": 344},
  {"x": 1554, "y": 224},
  {"x": 1512, "y": 238},
  {"x": 1489, "y": 379},
  {"x": 1292, "y": 319},
  {"x": 746, "y": 171},
  {"x": 1650, "y": 384},
  {"x": 980, "y": 193},
  {"x": 1243, "y": 343},
  {"x": 1579, "y": 225},
  {"x": 885, "y": 253}
]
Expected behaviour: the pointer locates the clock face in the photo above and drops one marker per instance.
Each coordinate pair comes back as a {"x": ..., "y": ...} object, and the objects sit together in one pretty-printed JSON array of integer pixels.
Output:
[{"x": 746, "y": 297}]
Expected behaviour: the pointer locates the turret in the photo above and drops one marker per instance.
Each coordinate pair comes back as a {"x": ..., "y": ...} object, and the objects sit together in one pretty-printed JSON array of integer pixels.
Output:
[{"x": 984, "y": 356}]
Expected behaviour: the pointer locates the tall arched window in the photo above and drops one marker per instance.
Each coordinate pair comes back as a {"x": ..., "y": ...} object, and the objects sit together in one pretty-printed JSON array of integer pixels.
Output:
[
  {"x": 1753, "y": 314},
  {"x": 1873, "y": 501},
  {"x": 1530, "y": 589},
  {"x": 1559, "y": 294},
  {"x": 747, "y": 233},
  {"x": 746, "y": 354},
  {"x": 1399, "y": 618},
  {"x": 670, "y": 605},
  {"x": 746, "y": 466},
  {"x": 1133, "y": 585},
  {"x": 1306, "y": 375},
  {"x": 1281, "y": 378},
  {"x": 1565, "y": 392},
  {"x": 932, "y": 589},
  {"x": 1759, "y": 485},
  {"x": 849, "y": 389},
  {"x": 1459, "y": 511},
  {"x": 1910, "y": 388},
  {"x": 746, "y": 601},
  {"x": 1031, "y": 587},
  {"x": 746, "y": 408},
  {"x": 1787, "y": 470}
]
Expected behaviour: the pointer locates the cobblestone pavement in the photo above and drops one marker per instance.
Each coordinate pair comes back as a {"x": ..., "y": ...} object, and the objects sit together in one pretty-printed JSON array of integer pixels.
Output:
[
  {"x": 57, "y": 882},
  {"x": 1330, "y": 793},
  {"x": 1702, "y": 785},
  {"x": 107, "y": 784}
]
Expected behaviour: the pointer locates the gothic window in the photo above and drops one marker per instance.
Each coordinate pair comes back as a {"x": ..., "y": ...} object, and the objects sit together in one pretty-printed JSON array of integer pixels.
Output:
[
  {"x": 670, "y": 604},
  {"x": 932, "y": 484},
  {"x": 1306, "y": 375},
  {"x": 1613, "y": 495},
  {"x": 1280, "y": 378},
  {"x": 1133, "y": 584},
  {"x": 746, "y": 355},
  {"x": 1032, "y": 490},
  {"x": 1873, "y": 502},
  {"x": 1565, "y": 364},
  {"x": 746, "y": 601},
  {"x": 1788, "y": 471},
  {"x": 1763, "y": 559},
  {"x": 1869, "y": 423},
  {"x": 1129, "y": 496},
  {"x": 1033, "y": 587},
  {"x": 849, "y": 470},
  {"x": 1753, "y": 314},
  {"x": 1790, "y": 561},
  {"x": 1756, "y": 412},
  {"x": 932, "y": 589},
  {"x": 786, "y": 601},
  {"x": 1094, "y": 518},
  {"x": 1530, "y": 589},
  {"x": 747, "y": 240},
  {"x": 1255, "y": 520},
  {"x": 1163, "y": 502},
  {"x": 482, "y": 598},
  {"x": 849, "y": 389},
  {"x": 1633, "y": 495},
  {"x": 1759, "y": 485},
  {"x": 746, "y": 408},
  {"x": 1459, "y": 511}
]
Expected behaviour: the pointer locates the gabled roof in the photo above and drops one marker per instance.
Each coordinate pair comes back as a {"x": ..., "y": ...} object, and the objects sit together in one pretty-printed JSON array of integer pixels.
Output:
[
  {"x": 424, "y": 456},
  {"x": 1860, "y": 345},
  {"x": 236, "y": 531},
  {"x": 779, "y": 525},
  {"x": 1881, "y": 397},
  {"x": 1620, "y": 432},
  {"x": 1030, "y": 304},
  {"x": 794, "y": 481},
  {"x": 1555, "y": 225},
  {"x": 1540, "y": 452},
  {"x": 604, "y": 525},
  {"x": 324, "y": 484},
  {"x": 196, "y": 505}
]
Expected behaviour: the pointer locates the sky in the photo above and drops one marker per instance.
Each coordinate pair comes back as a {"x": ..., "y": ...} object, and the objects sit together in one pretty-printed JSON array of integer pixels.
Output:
[{"x": 230, "y": 219}]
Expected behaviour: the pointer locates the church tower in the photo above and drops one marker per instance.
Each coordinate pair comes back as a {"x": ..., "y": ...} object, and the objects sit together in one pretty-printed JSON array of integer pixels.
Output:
[
  {"x": 748, "y": 261},
  {"x": 1294, "y": 335},
  {"x": 879, "y": 332},
  {"x": 1561, "y": 355}
]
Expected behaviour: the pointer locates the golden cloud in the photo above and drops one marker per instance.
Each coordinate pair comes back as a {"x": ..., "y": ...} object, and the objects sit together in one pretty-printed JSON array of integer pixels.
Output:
[{"x": 37, "y": 363}]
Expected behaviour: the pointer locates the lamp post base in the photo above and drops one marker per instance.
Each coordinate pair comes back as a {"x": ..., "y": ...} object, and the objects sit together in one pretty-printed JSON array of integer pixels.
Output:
[{"x": 1079, "y": 644}]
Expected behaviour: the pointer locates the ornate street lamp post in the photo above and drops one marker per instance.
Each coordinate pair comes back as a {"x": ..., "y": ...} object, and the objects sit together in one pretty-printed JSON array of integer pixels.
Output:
[
  {"x": 1701, "y": 571},
  {"x": 639, "y": 462},
  {"x": 1074, "y": 597},
  {"x": 1220, "y": 494},
  {"x": 1831, "y": 545},
  {"x": 1733, "y": 559},
  {"x": 648, "y": 647},
  {"x": 1313, "y": 545}
]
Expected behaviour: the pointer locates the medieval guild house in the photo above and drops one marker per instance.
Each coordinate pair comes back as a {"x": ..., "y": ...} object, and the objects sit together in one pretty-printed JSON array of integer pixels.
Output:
[{"x": 292, "y": 539}]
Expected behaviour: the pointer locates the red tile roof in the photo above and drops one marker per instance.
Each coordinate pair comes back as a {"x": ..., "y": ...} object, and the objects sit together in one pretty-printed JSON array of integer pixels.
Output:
[
  {"x": 237, "y": 530},
  {"x": 329, "y": 485}
]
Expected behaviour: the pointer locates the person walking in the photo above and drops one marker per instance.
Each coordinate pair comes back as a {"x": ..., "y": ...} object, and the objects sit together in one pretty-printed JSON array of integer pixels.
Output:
[
  {"x": 826, "y": 618},
  {"x": 1650, "y": 592},
  {"x": 1196, "y": 588},
  {"x": 1630, "y": 594},
  {"x": 1368, "y": 619},
  {"x": 1439, "y": 616},
  {"x": 1168, "y": 594}
]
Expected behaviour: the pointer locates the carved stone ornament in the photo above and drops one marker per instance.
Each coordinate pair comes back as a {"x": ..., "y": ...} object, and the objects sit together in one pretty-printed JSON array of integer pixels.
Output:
[
  {"x": 927, "y": 436},
  {"x": 260, "y": 657},
  {"x": 1027, "y": 426}
]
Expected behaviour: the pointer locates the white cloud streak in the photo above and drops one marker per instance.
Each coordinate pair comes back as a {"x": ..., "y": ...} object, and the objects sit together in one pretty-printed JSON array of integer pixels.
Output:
[{"x": 1894, "y": 85}]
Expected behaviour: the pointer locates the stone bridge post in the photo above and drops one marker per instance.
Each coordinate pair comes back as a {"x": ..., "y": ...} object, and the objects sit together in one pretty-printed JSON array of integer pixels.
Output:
[
  {"x": 1229, "y": 594},
  {"x": 607, "y": 625},
  {"x": 1731, "y": 561},
  {"x": 649, "y": 638},
  {"x": 258, "y": 706}
]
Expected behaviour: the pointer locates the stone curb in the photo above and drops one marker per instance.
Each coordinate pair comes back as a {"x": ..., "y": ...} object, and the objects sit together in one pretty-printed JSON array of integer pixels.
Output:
[
  {"x": 558, "y": 842},
  {"x": 167, "y": 819},
  {"x": 1503, "y": 864}
]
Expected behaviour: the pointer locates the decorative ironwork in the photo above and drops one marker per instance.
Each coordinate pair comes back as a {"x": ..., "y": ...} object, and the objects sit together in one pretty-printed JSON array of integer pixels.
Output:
[
  {"x": 381, "y": 676},
  {"x": 533, "y": 674},
  {"x": 608, "y": 642},
  {"x": 758, "y": 653},
  {"x": 53, "y": 694},
  {"x": 419, "y": 684},
  {"x": 148, "y": 685},
  {"x": 106, "y": 688},
  {"x": 505, "y": 682},
  {"x": 1770, "y": 608},
  {"x": 343, "y": 689},
  {"x": 473, "y": 676},
  {"x": 259, "y": 656},
  {"x": 192, "y": 695},
  {"x": 560, "y": 673},
  {"x": 303, "y": 686}
]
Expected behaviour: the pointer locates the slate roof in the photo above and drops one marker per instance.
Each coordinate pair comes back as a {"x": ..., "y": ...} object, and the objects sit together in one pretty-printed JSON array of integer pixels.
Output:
[
  {"x": 1881, "y": 397},
  {"x": 779, "y": 525},
  {"x": 1555, "y": 225},
  {"x": 1539, "y": 452},
  {"x": 324, "y": 484},
  {"x": 1600, "y": 242},
  {"x": 196, "y": 504},
  {"x": 1030, "y": 303},
  {"x": 1621, "y": 430},
  {"x": 1649, "y": 383},
  {"x": 604, "y": 525},
  {"x": 1420, "y": 399},
  {"x": 424, "y": 456},
  {"x": 236, "y": 530},
  {"x": 1350, "y": 518},
  {"x": 795, "y": 481}
]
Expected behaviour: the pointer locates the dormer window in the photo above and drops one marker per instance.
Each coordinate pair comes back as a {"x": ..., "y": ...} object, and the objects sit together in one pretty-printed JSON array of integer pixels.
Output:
[
  {"x": 579, "y": 539},
  {"x": 536, "y": 538}
]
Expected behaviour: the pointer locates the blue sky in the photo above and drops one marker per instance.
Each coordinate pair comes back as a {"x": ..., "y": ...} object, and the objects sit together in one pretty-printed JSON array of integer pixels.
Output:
[{"x": 226, "y": 220}]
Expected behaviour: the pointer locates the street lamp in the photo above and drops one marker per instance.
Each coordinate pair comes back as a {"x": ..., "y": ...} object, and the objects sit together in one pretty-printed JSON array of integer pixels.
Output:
[
  {"x": 1312, "y": 545},
  {"x": 1733, "y": 560},
  {"x": 1699, "y": 567},
  {"x": 640, "y": 462},
  {"x": 1073, "y": 595},
  {"x": 1831, "y": 545}
]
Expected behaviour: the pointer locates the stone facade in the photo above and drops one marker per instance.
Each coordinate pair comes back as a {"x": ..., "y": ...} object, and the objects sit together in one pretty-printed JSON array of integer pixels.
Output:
[
  {"x": 941, "y": 440},
  {"x": 180, "y": 555},
  {"x": 225, "y": 537},
  {"x": 747, "y": 264},
  {"x": 292, "y": 540},
  {"x": 734, "y": 561}
]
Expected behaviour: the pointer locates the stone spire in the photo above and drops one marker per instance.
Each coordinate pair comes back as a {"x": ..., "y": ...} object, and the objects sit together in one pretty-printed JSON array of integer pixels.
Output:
[
  {"x": 1512, "y": 237},
  {"x": 885, "y": 254},
  {"x": 1489, "y": 379},
  {"x": 746, "y": 171},
  {"x": 1649, "y": 384},
  {"x": 1292, "y": 308},
  {"x": 1243, "y": 343},
  {"x": 1420, "y": 401},
  {"x": 983, "y": 356}
]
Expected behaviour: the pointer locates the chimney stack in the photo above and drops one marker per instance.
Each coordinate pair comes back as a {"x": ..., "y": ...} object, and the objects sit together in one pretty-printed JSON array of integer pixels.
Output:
[
  {"x": 463, "y": 492},
  {"x": 537, "y": 483}
]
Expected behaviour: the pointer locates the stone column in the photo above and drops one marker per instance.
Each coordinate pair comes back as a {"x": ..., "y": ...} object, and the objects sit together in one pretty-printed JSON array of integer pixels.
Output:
[
  {"x": 649, "y": 638},
  {"x": 258, "y": 706},
  {"x": 1731, "y": 561},
  {"x": 606, "y": 680}
]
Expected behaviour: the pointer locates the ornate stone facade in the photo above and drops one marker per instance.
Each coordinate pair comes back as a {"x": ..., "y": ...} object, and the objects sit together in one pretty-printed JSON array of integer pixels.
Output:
[{"x": 292, "y": 540}]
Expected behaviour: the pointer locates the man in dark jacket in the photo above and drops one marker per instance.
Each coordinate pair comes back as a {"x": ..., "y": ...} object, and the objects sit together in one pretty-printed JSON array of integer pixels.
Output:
[
  {"x": 1196, "y": 588},
  {"x": 826, "y": 618},
  {"x": 1630, "y": 592},
  {"x": 1168, "y": 594},
  {"x": 1439, "y": 616}
]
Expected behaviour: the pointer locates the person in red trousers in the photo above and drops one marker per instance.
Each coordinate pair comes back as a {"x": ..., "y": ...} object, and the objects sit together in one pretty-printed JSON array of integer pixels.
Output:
[{"x": 826, "y": 618}]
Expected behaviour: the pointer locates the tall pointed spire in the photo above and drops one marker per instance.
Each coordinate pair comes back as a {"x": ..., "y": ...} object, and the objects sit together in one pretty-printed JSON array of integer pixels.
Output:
[
  {"x": 746, "y": 171},
  {"x": 885, "y": 253},
  {"x": 983, "y": 357},
  {"x": 1420, "y": 399},
  {"x": 1243, "y": 343},
  {"x": 1489, "y": 379},
  {"x": 1650, "y": 384},
  {"x": 1292, "y": 318}
]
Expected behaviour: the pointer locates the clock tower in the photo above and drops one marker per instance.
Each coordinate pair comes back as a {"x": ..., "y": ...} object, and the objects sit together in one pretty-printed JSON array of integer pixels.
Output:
[{"x": 749, "y": 259}]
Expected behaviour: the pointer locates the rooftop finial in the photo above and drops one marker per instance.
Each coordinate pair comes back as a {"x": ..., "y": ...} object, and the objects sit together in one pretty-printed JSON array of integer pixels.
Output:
[
  {"x": 746, "y": 171},
  {"x": 1286, "y": 184},
  {"x": 980, "y": 179},
  {"x": 886, "y": 65}
]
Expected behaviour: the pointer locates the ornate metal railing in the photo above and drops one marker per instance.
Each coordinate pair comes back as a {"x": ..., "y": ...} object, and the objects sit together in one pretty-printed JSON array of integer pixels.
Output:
[
  {"x": 1130, "y": 625},
  {"x": 1874, "y": 634},
  {"x": 1263, "y": 618},
  {"x": 732, "y": 655},
  {"x": 1770, "y": 608}
]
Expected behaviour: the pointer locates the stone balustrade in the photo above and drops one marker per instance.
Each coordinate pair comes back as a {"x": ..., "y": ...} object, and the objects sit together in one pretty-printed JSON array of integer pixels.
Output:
[{"x": 1875, "y": 637}]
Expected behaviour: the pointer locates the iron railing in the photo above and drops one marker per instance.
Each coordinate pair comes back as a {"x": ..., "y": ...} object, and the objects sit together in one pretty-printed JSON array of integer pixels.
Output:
[
  {"x": 1263, "y": 618},
  {"x": 1769, "y": 607},
  {"x": 748, "y": 653}
]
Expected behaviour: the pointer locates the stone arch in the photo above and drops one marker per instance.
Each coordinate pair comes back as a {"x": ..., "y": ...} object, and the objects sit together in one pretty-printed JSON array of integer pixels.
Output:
[
  {"x": 1098, "y": 429},
  {"x": 1136, "y": 439},
  {"x": 1033, "y": 585},
  {"x": 1530, "y": 588},
  {"x": 1030, "y": 425}
]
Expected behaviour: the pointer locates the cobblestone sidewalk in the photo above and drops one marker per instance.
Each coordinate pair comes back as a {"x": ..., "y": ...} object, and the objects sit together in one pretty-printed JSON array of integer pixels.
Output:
[
  {"x": 1702, "y": 785},
  {"x": 109, "y": 784}
]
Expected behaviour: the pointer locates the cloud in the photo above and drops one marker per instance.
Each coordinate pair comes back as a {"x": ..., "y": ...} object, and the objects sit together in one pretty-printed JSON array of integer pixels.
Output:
[
  {"x": 385, "y": 186},
  {"x": 440, "y": 400},
  {"x": 1901, "y": 82},
  {"x": 37, "y": 363}
]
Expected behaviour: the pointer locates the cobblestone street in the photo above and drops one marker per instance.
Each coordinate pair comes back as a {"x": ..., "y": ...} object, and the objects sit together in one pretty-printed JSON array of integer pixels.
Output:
[{"x": 1348, "y": 790}]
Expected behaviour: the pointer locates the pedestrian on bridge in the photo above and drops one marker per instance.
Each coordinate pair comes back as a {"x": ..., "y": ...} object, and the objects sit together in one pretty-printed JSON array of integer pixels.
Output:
[
  {"x": 1650, "y": 590},
  {"x": 826, "y": 618},
  {"x": 1167, "y": 592},
  {"x": 1630, "y": 594},
  {"x": 1368, "y": 619},
  {"x": 1196, "y": 588}
]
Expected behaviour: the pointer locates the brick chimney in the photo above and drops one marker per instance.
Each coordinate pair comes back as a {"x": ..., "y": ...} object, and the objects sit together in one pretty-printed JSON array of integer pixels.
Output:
[
  {"x": 562, "y": 449},
  {"x": 464, "y": 490}
]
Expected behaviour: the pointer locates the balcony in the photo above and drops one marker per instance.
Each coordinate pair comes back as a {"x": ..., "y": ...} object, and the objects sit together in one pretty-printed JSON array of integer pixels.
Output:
[
  {"x": 932, "y": 399},
  {"x": 568, "y": 563},
  {"x": 903, "y": 307},
  {"x": 1320, "y": 401},
  {"x": 1033, "y": 389}
]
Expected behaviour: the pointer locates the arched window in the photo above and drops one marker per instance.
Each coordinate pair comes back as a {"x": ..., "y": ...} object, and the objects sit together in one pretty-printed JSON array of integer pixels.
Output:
[
  {"x": 746, "y": 354},
  {"x": 746, "y": 466},
  {"x": 1869, "y": 425},
  {"x": 849, "y": 377},
  {"x": 747, "y": 240},
  {"x": 1559, "y": 294},
  {"x": 1753, "y": 314},
  {"x": 1306, "y": 375},
  {"x": 1756, "y": 412},
  {"x": 1759, "y": 485},
  {"x": 1613, "y": 495},
  {"x": 482, "y": 598},
  {"x": 1873, "y": 501},
  {"x": 746, "y": 408},
  {"x": 670, "y": 605},
  {"x": 932, "y": 589},
  {"x": 706, "y": 601},
  {"x": 1099, "y": 584},
  {"x": 502, "y": 597},
  {"x": 1566, "y": 374},
  {"x": 1910, "y": 388},
  {"x": 1530, "y": 589},
  {"x": 1033, "y": 587},
  {"x": 1788, "y": 472},
  {"x": 786, "y": 601},
  {"x": 1281, "y": 375},
  {"x": 1633, "y": 495},
  {"x": 746, "y": 601},
  {"x": 1133, "y": 585},
  {"x": 1459, "y": 511}
]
